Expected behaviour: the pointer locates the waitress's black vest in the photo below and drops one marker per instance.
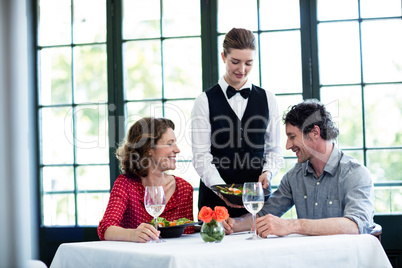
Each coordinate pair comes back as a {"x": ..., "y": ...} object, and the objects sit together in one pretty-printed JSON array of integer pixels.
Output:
[{"x": 237, "y": 146}]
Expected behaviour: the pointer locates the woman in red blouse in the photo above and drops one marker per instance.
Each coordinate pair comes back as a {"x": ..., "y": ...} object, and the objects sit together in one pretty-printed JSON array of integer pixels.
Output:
[{"x": 150, "y": 149}]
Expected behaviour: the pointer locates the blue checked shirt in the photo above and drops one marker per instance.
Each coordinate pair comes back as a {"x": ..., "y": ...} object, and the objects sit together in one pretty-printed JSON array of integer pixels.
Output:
[{"x": 344, "y": 189}]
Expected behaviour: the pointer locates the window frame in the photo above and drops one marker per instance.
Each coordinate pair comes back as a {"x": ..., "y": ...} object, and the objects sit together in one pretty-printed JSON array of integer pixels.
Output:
[{"x": 52, "y": 236}]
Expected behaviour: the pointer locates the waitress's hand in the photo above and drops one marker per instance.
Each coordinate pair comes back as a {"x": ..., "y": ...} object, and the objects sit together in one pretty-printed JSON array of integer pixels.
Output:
[
  {"x": 265, "y": 179},
  {"x": 228, "y": 203}
]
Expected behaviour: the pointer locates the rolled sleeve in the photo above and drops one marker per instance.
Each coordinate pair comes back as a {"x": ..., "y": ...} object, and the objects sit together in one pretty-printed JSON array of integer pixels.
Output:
[
  {"x": 360, "y": 207},
  {"x": 359, "y": 200}
]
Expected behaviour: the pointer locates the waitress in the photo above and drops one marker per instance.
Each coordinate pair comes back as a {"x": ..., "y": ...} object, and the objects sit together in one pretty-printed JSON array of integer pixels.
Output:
[{"x": 235, "y": 127}]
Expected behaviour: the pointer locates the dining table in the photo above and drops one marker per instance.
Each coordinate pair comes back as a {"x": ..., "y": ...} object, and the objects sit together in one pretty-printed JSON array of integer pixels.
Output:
[{"x": 234, "y": 250}]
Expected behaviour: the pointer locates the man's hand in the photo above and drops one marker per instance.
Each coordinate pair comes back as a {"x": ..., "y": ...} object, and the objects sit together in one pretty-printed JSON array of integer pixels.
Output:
[
  {"x": 265, "y": 179},
  {"x": 272, "y": 225},
  {"x": 228, "y": 225},
  {"x": 240, "y": 224}
]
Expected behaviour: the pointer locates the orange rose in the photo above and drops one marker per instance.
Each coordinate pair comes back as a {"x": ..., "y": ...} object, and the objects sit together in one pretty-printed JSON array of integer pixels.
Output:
[
  {"x": 221, "y": 214},
  {"x": 206, "y": 214}
]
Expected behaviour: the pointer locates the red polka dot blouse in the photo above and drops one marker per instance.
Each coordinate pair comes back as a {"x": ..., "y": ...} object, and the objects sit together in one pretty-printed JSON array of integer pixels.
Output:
[{"x": 126, "y": 205}]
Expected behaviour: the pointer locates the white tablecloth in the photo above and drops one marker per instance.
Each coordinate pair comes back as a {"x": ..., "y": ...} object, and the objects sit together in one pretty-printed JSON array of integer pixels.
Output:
[{"x": 234, "y": 251}]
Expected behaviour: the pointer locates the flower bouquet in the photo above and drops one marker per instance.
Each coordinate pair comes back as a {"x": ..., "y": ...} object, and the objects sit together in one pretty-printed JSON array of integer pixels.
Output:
[{"x": 212, "y": 229}]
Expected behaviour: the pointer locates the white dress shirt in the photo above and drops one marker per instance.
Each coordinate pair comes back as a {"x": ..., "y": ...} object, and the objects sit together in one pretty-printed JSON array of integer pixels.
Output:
[{"x": 201, "y": 135}]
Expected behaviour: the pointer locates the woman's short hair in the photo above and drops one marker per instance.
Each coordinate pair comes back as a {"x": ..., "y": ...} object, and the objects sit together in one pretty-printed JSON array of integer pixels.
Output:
[
  {"x": 133, "y": 153},
  {"x": 310, "y": 113},
  {"x": 238, "y": 38}
]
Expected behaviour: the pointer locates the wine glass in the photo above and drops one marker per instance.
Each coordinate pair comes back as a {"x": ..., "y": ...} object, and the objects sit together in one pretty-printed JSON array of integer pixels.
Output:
[
  {"x": 155, "y": 202},
  {"x": 253, "y": 200}
]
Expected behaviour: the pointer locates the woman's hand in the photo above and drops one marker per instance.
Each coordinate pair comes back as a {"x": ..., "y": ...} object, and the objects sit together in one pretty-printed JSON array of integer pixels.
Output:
[{"x": 145, "y": 232}]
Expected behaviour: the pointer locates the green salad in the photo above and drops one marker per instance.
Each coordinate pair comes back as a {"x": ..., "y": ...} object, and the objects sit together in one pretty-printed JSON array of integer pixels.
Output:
[
  {"x": 231, "y": 190},
  {"x": 162, "y": 222}
]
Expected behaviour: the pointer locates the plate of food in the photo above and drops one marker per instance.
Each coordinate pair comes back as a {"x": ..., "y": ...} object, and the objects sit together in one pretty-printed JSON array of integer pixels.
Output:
[
  {"x": 234, "y": 192},
  {"x": 174, "y": 228}
]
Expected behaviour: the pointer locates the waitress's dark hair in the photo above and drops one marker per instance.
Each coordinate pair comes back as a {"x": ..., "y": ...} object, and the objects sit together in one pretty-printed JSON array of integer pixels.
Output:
[
  {"x": 142, "y": 136},
  {"x": 310, "y": 113},
  {"x": 238, "y": 38}
]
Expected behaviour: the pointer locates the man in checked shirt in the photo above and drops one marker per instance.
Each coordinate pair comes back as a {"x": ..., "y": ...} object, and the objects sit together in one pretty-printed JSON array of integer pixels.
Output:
[{"x": 332, "y": 192}]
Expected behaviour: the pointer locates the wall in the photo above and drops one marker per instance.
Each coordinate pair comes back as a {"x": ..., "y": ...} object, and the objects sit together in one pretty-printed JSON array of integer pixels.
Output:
[{"x": 17, "y": 243}]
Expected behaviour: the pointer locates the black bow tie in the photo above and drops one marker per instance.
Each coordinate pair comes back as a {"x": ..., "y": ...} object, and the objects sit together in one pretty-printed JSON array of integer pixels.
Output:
[{"x": 231, "y": 91}]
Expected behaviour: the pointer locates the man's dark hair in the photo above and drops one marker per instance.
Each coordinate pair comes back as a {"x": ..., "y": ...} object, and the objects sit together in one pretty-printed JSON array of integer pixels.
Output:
[{"x": 310, "y": 113}]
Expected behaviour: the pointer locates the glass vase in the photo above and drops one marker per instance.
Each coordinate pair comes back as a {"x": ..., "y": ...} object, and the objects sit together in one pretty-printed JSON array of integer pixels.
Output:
[{"x": 212, "y": 231}]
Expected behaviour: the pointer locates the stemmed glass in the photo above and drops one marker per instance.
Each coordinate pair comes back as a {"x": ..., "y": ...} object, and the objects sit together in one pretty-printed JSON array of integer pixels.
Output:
[
  {"x": 253, "y": 200},
  {"x": 155, "y": 202}
]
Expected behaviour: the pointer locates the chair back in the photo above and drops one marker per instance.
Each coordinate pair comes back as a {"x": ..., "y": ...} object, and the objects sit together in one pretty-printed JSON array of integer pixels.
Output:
[{"x": 377, "y": 231}]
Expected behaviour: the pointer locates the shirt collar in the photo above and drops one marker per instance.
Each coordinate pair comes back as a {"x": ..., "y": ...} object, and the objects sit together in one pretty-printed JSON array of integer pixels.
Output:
[
  {"x": 331, "y": 165},
  {"x": 224, "y": 85}
]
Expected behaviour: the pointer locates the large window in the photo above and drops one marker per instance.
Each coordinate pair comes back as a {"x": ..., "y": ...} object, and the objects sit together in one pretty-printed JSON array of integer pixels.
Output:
[
  {"x": 104, "y": 64},
  {"x": 72, "y": 110},
  {"x": 360, "y": 66},
  {"x": 162, "y": 71}
]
